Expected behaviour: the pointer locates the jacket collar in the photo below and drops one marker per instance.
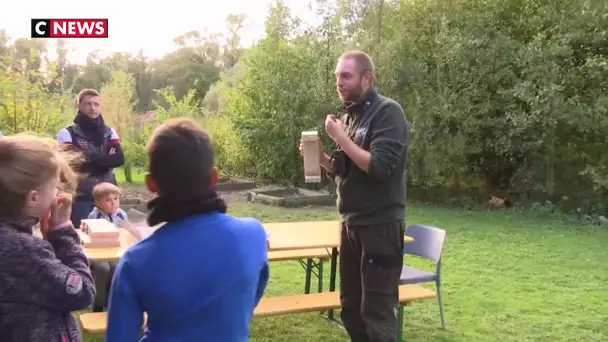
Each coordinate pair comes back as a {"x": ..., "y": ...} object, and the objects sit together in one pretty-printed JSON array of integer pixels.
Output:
[
  {"x": 357, "y": 108},
  {"x": 22, "y": 224}
]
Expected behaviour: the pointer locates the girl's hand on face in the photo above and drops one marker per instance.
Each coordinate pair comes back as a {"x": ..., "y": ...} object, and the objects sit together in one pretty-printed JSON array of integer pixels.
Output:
[{"x": 60, "y": 210}]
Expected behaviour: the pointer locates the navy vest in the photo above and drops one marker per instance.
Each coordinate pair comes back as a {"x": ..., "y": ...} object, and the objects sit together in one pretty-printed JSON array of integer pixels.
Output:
[{"x": 81, "y": 142}]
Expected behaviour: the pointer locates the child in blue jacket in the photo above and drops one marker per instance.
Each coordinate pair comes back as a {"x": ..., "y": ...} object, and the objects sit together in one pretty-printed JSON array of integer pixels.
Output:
[{"x": 200, "y": 276}]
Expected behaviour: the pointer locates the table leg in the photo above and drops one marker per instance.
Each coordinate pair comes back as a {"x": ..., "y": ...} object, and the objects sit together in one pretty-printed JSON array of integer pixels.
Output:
[
  {"x": 332, "y": 277},
  {"x": 308, "y": 276},
  {"x": 320, "y": 275}
]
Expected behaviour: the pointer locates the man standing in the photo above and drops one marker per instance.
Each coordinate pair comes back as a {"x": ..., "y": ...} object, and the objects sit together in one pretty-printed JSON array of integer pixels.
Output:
[
  {"x": 101, "y": 150},
  {"x": 100, "y": 146},
  {"x": 369, "y": 167}
]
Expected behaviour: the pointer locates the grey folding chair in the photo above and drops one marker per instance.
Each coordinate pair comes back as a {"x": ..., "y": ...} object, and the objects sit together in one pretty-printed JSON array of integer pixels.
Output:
[{"x": 428, "y": 243}]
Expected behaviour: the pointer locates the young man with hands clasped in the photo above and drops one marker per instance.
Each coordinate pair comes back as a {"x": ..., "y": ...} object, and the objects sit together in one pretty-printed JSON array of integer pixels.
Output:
[
  {"x": 369, "y": 167},
  {"x": 102, "y": 152}
]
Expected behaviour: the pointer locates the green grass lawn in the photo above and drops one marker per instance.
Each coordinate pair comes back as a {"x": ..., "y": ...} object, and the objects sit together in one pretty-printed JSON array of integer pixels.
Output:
[
  {"x": 507, "y": 277},
  {"x": 137, "y": 174}
]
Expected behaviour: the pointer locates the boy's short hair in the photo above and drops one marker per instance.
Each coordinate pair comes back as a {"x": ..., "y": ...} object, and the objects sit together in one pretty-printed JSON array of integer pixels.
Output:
[
  {"x": 181, "y": 158},
  {"x": 101, "y": 190}
]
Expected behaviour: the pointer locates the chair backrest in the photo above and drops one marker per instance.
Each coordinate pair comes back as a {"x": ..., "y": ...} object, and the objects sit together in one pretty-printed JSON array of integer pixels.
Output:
[
  {"x": 428, "y": 242},
  {"x": 136, "y": 216}
]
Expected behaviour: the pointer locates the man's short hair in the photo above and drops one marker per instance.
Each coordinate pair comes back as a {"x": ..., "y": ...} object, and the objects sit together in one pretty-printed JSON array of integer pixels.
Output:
[
  {"x": 86, "y": 92},
  {"x": 181, "y": 158},
  {"x": 102, "y": 190},
  {"x": 363, "y": 60}
]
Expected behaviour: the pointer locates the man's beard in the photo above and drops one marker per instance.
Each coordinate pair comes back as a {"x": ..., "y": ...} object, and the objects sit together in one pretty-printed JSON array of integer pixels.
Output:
[{"x": 354, "y": 95}]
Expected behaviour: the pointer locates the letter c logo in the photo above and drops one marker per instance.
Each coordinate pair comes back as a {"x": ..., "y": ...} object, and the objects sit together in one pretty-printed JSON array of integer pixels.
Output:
[{"x": 38, "y": 25}]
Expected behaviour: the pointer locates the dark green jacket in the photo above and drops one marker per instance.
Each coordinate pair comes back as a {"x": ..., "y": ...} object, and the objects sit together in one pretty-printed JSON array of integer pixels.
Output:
[{"x": 377, "y": 125}]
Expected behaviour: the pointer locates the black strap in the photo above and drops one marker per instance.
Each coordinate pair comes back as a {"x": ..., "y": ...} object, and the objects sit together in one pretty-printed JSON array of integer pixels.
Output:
[{"x": 70, "y": 129}]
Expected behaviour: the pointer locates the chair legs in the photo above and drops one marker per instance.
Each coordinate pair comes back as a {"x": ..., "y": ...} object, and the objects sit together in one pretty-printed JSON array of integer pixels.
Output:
[
  {"x": 401, "y": 314},
  {"x": 439, "y": 298},
  {"x": 400, "y": 322}
]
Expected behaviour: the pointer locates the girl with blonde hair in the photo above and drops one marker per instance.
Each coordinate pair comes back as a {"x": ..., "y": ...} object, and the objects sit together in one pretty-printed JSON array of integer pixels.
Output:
[{"x": 43, "y": 280}]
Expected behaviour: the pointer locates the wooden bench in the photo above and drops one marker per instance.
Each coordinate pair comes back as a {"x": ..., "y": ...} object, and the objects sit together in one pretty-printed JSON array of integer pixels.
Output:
[
  {"x": 299, "y": 254},
  {"x": 307, "y": 258},
  {"x": 96, "y": 322}
]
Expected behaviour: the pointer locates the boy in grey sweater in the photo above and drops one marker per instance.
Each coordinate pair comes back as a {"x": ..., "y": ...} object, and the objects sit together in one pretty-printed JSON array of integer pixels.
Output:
[{"x": 107, "y": 207}]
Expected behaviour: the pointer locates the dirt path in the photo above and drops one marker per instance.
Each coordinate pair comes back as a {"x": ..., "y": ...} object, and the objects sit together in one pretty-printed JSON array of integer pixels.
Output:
[{"x": 138, "y": 191}]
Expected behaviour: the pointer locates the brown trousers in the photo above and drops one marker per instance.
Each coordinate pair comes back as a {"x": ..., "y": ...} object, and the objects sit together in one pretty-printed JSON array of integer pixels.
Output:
[{"x": 371, "y": 258}]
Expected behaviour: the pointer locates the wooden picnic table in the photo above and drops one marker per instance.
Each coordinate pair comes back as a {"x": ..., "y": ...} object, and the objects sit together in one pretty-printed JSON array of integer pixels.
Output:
[
  {"x": 303, "y": 235},
  {"x": 111, "y": 253},
  {"x": 284, "y": 236},
  {"x": 310, "y": 234}
]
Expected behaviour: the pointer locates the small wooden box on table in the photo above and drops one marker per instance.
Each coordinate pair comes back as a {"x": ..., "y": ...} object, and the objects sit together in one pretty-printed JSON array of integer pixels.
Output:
[
  {"x": 311, "y": 152},
  {"x": 99, "y": 233}
]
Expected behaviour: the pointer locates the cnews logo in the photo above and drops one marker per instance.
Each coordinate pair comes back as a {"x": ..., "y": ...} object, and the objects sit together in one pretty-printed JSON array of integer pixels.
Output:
[{"x": 69, "y": 28}]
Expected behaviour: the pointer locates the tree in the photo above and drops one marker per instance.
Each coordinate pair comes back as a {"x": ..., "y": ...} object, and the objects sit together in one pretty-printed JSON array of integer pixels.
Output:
[
  {"x": 25, "y": 103},
  {"x": 504, "y": 97},
  {"x": 118, "y": 102}
]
